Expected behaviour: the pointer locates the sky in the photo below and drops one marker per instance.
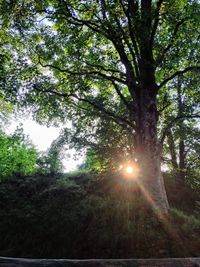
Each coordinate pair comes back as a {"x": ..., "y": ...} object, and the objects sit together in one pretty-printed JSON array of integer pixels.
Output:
[{"x": 42, "y": 136}]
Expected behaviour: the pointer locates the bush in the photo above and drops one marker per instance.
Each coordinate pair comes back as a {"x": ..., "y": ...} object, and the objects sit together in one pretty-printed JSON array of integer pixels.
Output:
[
  {"x": 17, "y": 155},
  {"x": 99, "y": 217}
]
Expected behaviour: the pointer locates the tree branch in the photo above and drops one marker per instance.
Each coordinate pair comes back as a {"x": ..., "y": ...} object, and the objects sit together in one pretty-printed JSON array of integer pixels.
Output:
[
  {"x": 121, "y": 95},
  {"x": 132, "y": 8},
  {"x": 171, "y": 123},
  {"x": 50, "y": 91},
  {"x": 106, "y": 112},
  {"x": 128, "y": 44},
  {"x": 109, "y": 32},
  {"x": 105, "y": 68},
  {"x": 164, "y": 107},
  {"x": 156, "y": 21},
  {"x": 168, "y": 47},
  {"x": 178, "y": 73},
  {"x": 82, "y": 73},
  {"x": 120, "y": 120}
]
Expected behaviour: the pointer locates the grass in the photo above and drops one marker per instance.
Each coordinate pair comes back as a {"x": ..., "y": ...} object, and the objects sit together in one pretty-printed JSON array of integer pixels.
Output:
[{"x": 85, "y": 216}]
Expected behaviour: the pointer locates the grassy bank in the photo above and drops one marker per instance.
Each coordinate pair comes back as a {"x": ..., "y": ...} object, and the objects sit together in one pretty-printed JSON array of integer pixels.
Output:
[{"x": 87, "y": 216}]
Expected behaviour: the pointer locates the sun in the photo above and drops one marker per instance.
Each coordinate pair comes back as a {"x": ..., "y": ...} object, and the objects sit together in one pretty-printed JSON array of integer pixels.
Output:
[{"x": 129, "y": 169}]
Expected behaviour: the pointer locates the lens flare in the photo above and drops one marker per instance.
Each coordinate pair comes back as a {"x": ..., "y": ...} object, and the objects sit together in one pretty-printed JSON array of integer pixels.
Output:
[
  {"x": 120, "y": 167},
  {"x": 129, "y": 170}
]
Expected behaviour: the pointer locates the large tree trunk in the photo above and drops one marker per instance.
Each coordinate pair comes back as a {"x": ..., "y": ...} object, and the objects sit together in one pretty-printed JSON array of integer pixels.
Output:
[
  {"x": 148, "y": 150},
  {"x": 147, "y": 146},
  {"x": 151, "y": 180}
]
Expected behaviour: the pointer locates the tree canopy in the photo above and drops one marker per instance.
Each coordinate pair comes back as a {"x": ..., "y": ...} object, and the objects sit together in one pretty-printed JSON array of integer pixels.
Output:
[{"x": 84, "y": 54}]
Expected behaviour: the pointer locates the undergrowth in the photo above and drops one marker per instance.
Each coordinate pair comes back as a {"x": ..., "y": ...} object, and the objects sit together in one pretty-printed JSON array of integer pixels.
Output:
[{"x": 85, "y": 216}]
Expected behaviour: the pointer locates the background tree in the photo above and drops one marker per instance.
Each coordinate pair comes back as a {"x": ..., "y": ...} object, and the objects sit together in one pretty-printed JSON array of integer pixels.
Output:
[
  {"x": 50, "y": 162},
  {"x": 181, "y": 127},
  {"x": 17, "y": 155}
]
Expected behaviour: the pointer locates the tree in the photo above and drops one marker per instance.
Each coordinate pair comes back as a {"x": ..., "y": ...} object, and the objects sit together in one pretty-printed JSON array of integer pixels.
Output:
[
  {"x": 182, "y": 131},
  {"x": 5, "y": 111},
  {"x": 17, "y": 155},
  {"x": 51, "y": 161},
  {"x": 107, "y": 145},
  {"x": 109, "y": 59},
  {"x": 5, "y": 106}
]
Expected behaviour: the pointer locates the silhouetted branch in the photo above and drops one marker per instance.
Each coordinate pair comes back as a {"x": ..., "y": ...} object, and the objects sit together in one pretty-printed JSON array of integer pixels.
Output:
[
  {"x": 120, "y": 95},
  {"x": 168, "y": 47},
  {"x": 178, "y": 73},
  {"x": 118, "y": 119},
  {"x": 171, "y": 123},
  {"x": 82, "y": 73},
  {"x": 105, "y": 111},
  {"x": 156, "y": 21}
]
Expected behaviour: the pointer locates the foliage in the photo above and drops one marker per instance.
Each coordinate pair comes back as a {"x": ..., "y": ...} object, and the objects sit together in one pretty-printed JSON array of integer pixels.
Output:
[
  {"x": 82, "y": 57},
  {"x": 17, "y": 155},
  {"x": 92, "y": 161},
  {"x": 84, "y": 217},
  {"x": 5, "y": 111},
  {"x": 111, "y": 63},
  {"x": 181, "y": 144},
  {"x": 51, "y": 161}
]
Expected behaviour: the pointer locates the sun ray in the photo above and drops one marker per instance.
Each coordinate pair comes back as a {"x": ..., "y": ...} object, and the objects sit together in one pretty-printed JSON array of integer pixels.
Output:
[{"x": 162, "y": 217}]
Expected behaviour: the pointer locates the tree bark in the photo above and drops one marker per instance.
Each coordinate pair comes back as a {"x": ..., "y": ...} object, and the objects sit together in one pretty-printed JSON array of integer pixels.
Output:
[
  {"x": 180, "y": 179},
  {"x": 148, "y": 150},
  {"x": 182, "y": 166},
  {"x": 172, "y": 150}
]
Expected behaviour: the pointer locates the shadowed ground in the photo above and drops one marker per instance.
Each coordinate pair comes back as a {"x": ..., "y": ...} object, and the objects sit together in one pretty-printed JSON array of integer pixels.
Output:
[
  {"x": 87, "y": 217},
  {"x": 17, "y": 262}
]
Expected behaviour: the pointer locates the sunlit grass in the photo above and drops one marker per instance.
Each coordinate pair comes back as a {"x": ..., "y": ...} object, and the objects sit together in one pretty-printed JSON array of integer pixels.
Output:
[
  {"x": 131, "y": 172},
  {"x": 95, "y": 218}
]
